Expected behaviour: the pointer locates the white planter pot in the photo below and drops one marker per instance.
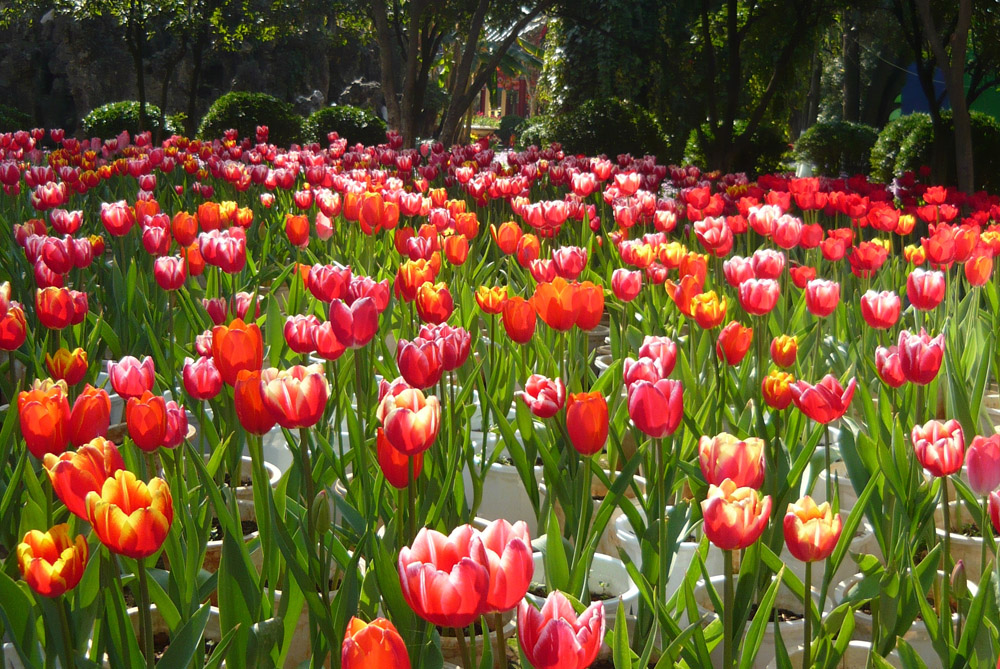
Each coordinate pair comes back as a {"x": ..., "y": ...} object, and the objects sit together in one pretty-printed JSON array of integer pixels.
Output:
[
  {"x": 854, "y": 657},
  {"x": 213, "y": 631},
  {"x": 917, "y": 636},
  {"x": 792, "y": 632},
  {"x": 965, "y": 548},
  {"x": 245, "y": 492},
  {"x": 453, "y": 655},
  {"x": 504, "y": 495},
  {"x": 607, "y": 574},
  {"x": 840, "y": 485},
  {"x": 683, "y": 560}
]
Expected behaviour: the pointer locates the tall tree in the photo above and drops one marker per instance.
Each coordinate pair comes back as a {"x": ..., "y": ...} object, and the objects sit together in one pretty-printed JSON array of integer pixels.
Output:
[{"x": 411, "y": 35}]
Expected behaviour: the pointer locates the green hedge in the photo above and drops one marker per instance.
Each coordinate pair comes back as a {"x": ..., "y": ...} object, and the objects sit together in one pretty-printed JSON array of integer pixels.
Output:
[
  {"x": 354, "y": 124},
  {"x": 767, "y": 151},
  {"x": 111, "y": 119},
  {"x": 244, "y": 111},
  {"x": 511, "y": 125},
  {"x": 12, "y": 120},
  {"x": 890, "y": 139},
  {"x": 837, "y": 146},
  {"x": 604, "y": 125},
  {"x": 916, "y": 149}
]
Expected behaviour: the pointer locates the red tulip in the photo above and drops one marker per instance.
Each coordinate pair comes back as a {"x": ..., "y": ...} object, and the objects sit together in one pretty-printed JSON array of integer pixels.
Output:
[
  {"x": 130, "y": 517},
  {"x": 924, "y": 289},
  {"x": 983, "y": 462},
  {"x": 395, "y": 464},
  {"x": 811, "y": 532},
  {"x": 374, "y": 645},
  {"x": 656, "y": 408},
  {"x": 90, "y": 417},
  {"x": 888, "y": 366},
  {"x": 940, "y": 447},
  {"x": 508, "y": 550},
  {"x": 626, "y": 284},
  {"x": 411, "y": 420},
  {"x": 866, "y": 258},
  {"x": 44, "y": 416},
  {"x": 328, "y": 282},
  {"x": 297, "y": 396},
  {"x": 454, "y": 344},
  {"x": 201, "y": 377},
  {"x": 733, "y": 343},
  {"x": 555, "y": 638},
  {"x": 445, "y": 579},
  {"x": 356, "y": 325},
  {"x": 51, "y": 562},
  {"x": 822, "y": 297},
  {"x": 177, "y": 425},
  {"x": 519, "y": 319},
  {"x": 170, "y": 272},
  {"x": 758, "y": 296},
  {"x": 994, "y": 510},
  {"x": 734, "y": 516},
  {"x": 58, "y": 308},
  {"x": 146, "y": 418},
  {"x": 544, "y": 396},
  {"x": 978, "y": 268},
  {"x": 74, "y": 474},
  {"x": 131, "y": 378},
  {"x": 661, "y": 349},
  {"x": 767, "y": 263},
  {"x": 555, "y": 303},
  {"x": 880, "y": 310},
  {"x": 589, "y": 305},
  {"x": 569, "y": 261},
  {"x": 69, "y": 366},
  {"x": 737, "y": 270},
  {"x": 117, "y": 217},
  {"x": 824, "y": 402},
  {"x": 920, "y": 356},
  {"x": 240, "y": 305},
  {"x": 434, "y": 302},
  {"x": 248, "y": 400},
  {"x": 13, "y": 328},
  {"x": 300, "y": 332},
  {"x": 726, "y": 457},
  {"x": 641, "y": 369},
  {"x": 802, "y": 275},
  {"x": 587, "y": 421},
  {"x": 297, "y": 230},
  {"x": 787, "y": 231},
  {"x": 419, "y": 362}
]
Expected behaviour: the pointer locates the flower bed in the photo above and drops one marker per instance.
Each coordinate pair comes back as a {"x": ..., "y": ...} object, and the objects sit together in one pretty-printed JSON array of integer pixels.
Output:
[{"x": 275, "y": 393}]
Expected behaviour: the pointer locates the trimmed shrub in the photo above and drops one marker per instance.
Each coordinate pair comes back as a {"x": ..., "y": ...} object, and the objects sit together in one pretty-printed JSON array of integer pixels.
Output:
[
  {"x": 890, "y": 139},
  {"x": 917, "y": 150},
  {"x": 837, "y": 146},
  {"x": 12, "y": 120},
  {"x": 605, "y": 125},
  {"x": 111, "y": 119},
  {"x": 245, "y": 111},
  {"x": 354, "y": 124},
  {"x": 511, "y": 125},
  {"x": 765, "y": 153}
]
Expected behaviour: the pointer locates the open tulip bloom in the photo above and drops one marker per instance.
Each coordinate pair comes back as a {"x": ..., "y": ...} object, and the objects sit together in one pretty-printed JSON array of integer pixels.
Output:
[{"x": 403, "y": 363}]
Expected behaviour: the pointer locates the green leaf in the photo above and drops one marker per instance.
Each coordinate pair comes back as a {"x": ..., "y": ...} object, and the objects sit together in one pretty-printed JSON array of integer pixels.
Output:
[
  {"x": 18, "y": 617},
  {"x": 556, "y": 566},
  {"x": 621, "y": 653},
  {"x": 184, "y": 643},
  {"x": 755, "y": 635}
]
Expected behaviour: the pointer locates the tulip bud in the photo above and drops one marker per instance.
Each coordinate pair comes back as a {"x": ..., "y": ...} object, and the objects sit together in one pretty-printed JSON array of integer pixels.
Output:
[
  {"x": 959, "y": 581},
  {"x": 322, "y": 514}
]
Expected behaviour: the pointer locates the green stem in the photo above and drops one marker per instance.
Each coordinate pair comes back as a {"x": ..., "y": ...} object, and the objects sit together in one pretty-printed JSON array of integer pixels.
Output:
[
  {"x": 807, "y": 603},
  {"x": 145, "y": 615},
  {"x": 501, "y": 658},
  {"x": 728, "y": 619},
  {"x": 463, "y": 647},
  {"x": 68, "y": 661},
  {"x": 411, "y": 498},
  {"x": 945, "y": 602}
]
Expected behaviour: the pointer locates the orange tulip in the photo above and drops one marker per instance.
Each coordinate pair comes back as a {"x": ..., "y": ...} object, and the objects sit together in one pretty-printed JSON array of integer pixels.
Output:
[
  {"x": 733, "y": 343},
  {"x": 184, "y": 227},
  {"x": 506, "y": 236},
  {"x": 555, "y": 302},
  {"x": 69, "y": 366},
  {"x": 297, "y": 230},
  {"x": 13, "y": 328},
  {"x": 128, "y": 516},
  {"x": 44, "y": 415},
  {"x": 90, "y": 416},
  {"x": 456, "y": 249},
  {"x": 708, "y": 310},
  {"x": 248, "y": 400},
  {"x": 727, "y": 457},
  {"x": 51, "y": 562},
  {"x": 776, "y": 389},
  {"x": 491, "y": 300},
  {"x": 587, "y": 421},
  {"x": 209, "y": 217},
  {"x": 146, "y": 418},
  {"x": 411, "y": 275},
  {"x": 811, "y": 532},
  {"x": 75, "y": 474},
  {"x": 589, "y": 305},
  {"x": 683, "y": 293},
  {"x": 434, "y": 302},
  {"x": 374, "y": 645},
  {"x": 784, "y": 348},
  {"x": 237, "y": 347},
  {"x": 395, "y": 464},
  {"x": 735, "y": 517},
  {"x": 519, "y": 319}
]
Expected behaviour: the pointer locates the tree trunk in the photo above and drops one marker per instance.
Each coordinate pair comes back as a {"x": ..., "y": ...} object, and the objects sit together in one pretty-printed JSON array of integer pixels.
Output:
[
  {"x": 168, "y": 74},
  {"x": 386, "y": 49},
  {"x": 953, "y": 66}
]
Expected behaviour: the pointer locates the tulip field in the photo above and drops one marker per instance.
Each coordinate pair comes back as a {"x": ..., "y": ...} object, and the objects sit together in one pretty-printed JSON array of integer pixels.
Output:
[{"x": 374, "y": 406}]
